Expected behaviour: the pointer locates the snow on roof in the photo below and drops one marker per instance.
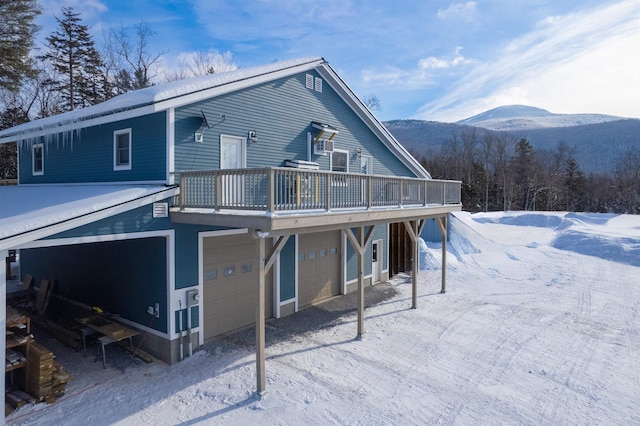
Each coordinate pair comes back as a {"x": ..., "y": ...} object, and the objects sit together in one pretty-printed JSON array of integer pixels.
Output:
[
  {"x": 29, "y": 208},
  {"x": 158, "y": 93}
]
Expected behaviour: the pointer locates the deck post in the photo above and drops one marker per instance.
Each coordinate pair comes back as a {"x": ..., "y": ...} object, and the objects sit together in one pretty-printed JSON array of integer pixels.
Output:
[
  {"x": 360, "y": 245},
  {"x": 361, "y": 283},
  {"x": 414, "y": 264},
  {"x": 260, "y": 321},
  {"x": 414, "y": 229},
  {"x": 442, "y": 224},
  {"x": 271, "y": 190}
]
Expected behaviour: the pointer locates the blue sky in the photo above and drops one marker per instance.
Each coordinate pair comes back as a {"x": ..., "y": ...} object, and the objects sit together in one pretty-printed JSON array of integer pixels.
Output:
[{"x": 430, "y": 60}]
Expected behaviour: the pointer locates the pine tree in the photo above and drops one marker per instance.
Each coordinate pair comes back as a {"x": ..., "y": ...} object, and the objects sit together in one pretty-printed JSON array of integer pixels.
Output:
[
  {"x": 17, "y": 30},
  {"x": 574, "y": 186},
  {"x": 73, "y": 55}
]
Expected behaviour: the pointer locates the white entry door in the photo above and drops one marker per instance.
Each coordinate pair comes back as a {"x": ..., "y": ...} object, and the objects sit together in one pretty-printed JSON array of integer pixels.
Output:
[
  {"x": 375, "y": 261},
  {"x": 232, "y": 156}
]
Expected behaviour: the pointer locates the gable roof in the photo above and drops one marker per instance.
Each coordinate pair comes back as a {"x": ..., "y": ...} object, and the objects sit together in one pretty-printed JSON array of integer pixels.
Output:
[{"x": 177, "y": 93}]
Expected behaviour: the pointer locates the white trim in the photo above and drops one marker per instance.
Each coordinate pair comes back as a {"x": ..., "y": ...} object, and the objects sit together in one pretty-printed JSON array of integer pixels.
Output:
[
  {"x": 366, "y": 157},
  {"x": 171, "y": 145},
  {"x": 243, "y": 149},
  {"x": 380, "y": 243},
  {"x": 128, "y": 165},
  {"x": 119, "y": 183},
  {"x": 33, "y": 159},
  {"x": 201, "y": 237},
  {"x": 56, "y": 242},
  {"x": 341, "y": 151}
]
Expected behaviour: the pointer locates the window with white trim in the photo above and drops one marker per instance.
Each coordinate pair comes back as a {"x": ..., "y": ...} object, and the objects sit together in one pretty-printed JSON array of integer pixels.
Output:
[
  {"x": 340, "y": 161},
  {"x": 122, "y": 149},
  {"x": 37, "y": 158},
  {"x": 340, "y": 164}
]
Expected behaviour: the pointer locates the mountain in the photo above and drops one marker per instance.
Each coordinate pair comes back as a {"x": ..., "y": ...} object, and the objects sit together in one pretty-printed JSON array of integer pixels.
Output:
[
  {"x": 522, "y": 117},
  {"x": 597, "y": 147}
]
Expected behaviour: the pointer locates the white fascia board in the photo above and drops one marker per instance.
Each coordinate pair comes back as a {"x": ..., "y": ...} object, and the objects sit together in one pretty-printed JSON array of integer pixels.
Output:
[
  {"x": 370, "y": 120},
  {"x": 27, "y": 238}
]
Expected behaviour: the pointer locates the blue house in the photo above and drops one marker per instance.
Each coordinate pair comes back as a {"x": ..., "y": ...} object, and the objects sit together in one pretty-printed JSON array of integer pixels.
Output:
[{"x": 199, "y": 207}]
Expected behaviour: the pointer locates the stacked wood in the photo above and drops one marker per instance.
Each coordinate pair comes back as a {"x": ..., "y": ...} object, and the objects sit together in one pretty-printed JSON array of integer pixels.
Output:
[
  {"x": 60, "y": 379},
  {"x": 39, "y": 371}
]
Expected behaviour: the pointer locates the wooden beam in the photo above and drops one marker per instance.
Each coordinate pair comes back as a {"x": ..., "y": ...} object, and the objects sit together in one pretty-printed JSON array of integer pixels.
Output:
[
  {"x": 260, "y": 321},
  {"x": 442, "y": 224},
  {"x": 361, "y": 283},
  {"x": 414, "y": 229},
  {"x": 360, "y": 245},
  {"x": 275, "y": 250},
  {"x": 286, "y": 224}
]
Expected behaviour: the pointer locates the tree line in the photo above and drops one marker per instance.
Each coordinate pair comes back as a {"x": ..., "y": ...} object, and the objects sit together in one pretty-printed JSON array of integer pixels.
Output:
[
  {"x": 73, "y": 71},
  {"x": 502, "y": 172}
]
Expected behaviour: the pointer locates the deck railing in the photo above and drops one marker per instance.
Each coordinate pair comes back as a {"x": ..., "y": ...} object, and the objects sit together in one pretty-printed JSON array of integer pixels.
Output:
[{"x": 284, "y": 189}]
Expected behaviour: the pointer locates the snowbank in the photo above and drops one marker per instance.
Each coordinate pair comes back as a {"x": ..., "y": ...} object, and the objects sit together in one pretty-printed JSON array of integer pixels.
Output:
[{"x": 527, "y": 333}]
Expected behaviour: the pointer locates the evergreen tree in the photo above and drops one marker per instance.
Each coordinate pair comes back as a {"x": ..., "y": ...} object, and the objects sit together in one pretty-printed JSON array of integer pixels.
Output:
[
  {"x": 574, "y": 186},
  {"x": 17, "y": 30},
  {"x": 73, "y": 55}
]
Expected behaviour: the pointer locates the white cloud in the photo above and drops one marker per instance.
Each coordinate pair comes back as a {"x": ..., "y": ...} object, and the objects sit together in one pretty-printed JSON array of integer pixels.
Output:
[
  {"x": 464, "y": 11},
  {"x": 584, "y": 62},
  {"x": 88, "y": 9}
]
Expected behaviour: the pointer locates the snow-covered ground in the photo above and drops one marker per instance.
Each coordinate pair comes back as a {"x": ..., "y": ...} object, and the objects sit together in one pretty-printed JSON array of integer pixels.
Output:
[{"x": 540, "y": 325}]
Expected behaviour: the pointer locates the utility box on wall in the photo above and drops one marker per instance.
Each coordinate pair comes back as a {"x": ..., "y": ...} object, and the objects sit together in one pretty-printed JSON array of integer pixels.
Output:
[{"x": 193, "y": 297}]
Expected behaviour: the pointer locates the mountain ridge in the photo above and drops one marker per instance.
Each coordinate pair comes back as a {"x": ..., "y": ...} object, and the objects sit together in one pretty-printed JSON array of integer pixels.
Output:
[
  {"x": 523, "y": 117},
  {"x": 597, "y": 147}
]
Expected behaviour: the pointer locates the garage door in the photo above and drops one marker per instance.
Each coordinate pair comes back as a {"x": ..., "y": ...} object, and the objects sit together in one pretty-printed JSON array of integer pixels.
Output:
[
  {"x": 318, "y": 266},
  {"x": 230, "y": 271}
]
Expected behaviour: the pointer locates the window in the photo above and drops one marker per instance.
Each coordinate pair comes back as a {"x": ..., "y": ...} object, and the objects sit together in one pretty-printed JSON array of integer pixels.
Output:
[
  {"x": 339, "y": 161},
  {"x": 122, "y": 149},
  {"x": 37, "y": 152}
]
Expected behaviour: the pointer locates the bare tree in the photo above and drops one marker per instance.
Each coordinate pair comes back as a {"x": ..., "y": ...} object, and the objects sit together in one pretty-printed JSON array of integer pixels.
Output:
[
  {"x": 199, "y": 63},
  {"x": 140, "y": 65},
  {"x": 372, "y": 102}
]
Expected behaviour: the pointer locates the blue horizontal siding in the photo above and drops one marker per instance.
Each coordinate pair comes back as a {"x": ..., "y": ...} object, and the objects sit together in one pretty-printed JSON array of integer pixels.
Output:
[
  {"x": 87, "y": 155},
  {"x": 281, "y": 113}
]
